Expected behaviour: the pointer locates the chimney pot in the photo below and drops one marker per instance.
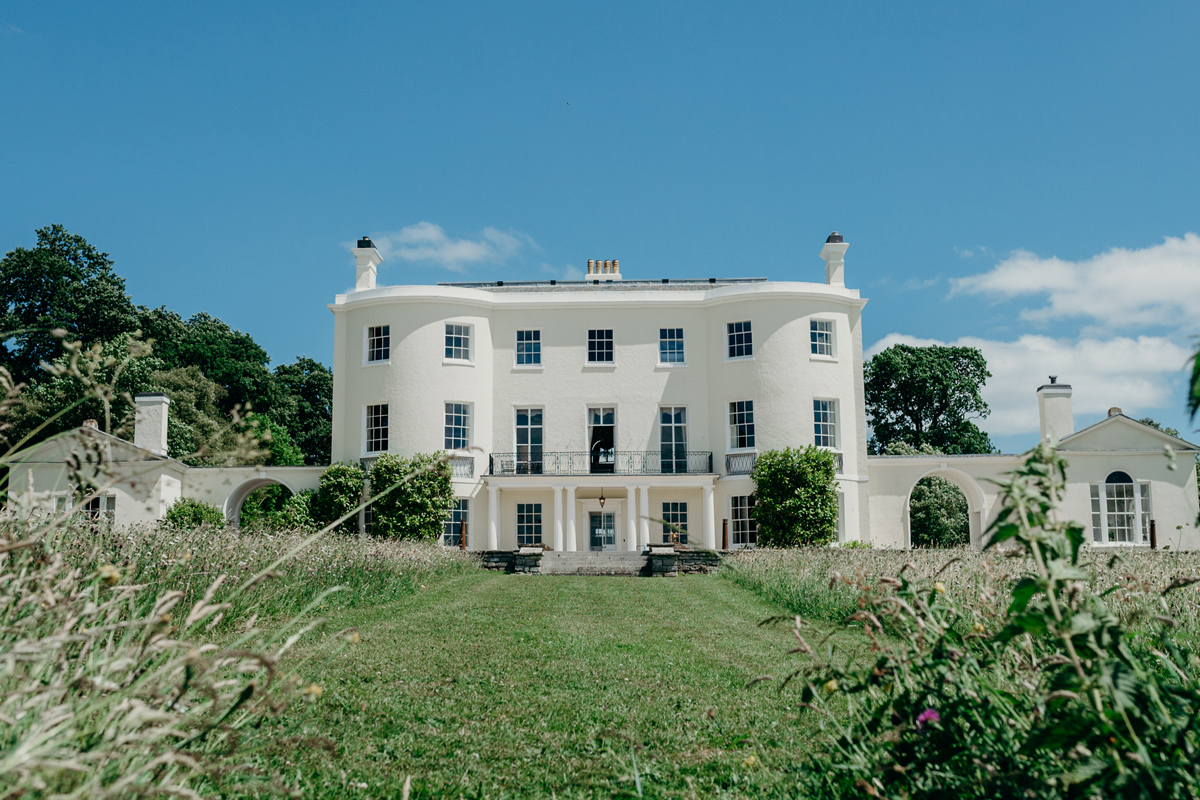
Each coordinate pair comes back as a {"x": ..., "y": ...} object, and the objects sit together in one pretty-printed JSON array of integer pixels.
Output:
[
  {"x": 1112, "y": 412},
  {"x": 91, "y": 423},
  {"x": 616, "y": 265},
  {"x": 1053, "y": 379}
]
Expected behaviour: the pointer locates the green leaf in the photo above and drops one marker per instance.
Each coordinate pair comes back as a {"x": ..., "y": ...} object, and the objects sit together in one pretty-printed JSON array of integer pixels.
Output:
[{"x": 1023, "y": 592}]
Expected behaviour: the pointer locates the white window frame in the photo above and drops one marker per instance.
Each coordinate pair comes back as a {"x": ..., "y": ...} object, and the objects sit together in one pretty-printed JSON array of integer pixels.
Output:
[
  {"x": 682, "y": 342},
  {"x": 533, "y": 508},
  {"x": 1143, "y": 503},
  {"x": 470, "y": 426},
  {"x": 729, "y": 437},
  {"x": 366, "y": 441},
  {"x": 729, "y": 334},
  {"x": 516, "y": 445},
  {"x": 587, "y": 425},
  {"x": 833, "y": 410},
  {"x": 687, "y": 434},
  {"x": 832, "y": 355},
  {"x": 677, "y": 516},
  {"x": 541, "y": 351},
  {"x": 587, "y": 362},
  {"x": 751, "y": 523},
  {"x": 461, "y": 508},
  {"x": 470, "y": 336},
  {"x": 366, "y": 339}
]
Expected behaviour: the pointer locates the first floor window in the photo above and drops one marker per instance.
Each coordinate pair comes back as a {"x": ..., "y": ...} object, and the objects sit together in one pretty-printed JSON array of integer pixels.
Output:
[
  {"x": 458, "y": 426},
  {"x": 825, "y": 423},
  {"x": 741, "y": 425},
  {"x": 1120, "y": 510},
  {"x": 600, "y": 346},
  {"x": 670, "y": 345},
  {"x": 529, "y": 347},
  {"x": 529, "y": 524},
  {"x": 674, "y": 522},
  {"x": 457, "y": 524},
  {"x": 529, "y": 441},
  {"x": 821, "y": 337},
  {"x": 745, "y": 527},
  {"x": 377, "y": 428},
  {"x": 379, "y": 342},
  {"x": 741, "y": 343},
  {"x": 458, "y": 342}
]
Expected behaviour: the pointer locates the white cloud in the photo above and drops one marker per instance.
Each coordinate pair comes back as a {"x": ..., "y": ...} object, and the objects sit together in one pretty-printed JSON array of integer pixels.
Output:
[
  {"x": 1136, "y": 374},
  {"x": 1157, "y": 285},
  {"x": 567, "y": 272},
  {"x": 426, "y": 241}
]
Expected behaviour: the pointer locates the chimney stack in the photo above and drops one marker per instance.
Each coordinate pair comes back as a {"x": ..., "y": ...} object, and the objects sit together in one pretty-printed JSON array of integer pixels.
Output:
[
  {"x": 834, "y": 253},
  {"x": 1054, "y": 409},
  {"x": 609, "y": 268},
  {"x": 150, "y": 424},
  {"x": 366, "y": 258}
]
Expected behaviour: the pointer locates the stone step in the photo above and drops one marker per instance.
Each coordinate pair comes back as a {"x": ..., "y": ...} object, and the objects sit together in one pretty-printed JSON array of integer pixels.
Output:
[{"x": 594, "y": 563}]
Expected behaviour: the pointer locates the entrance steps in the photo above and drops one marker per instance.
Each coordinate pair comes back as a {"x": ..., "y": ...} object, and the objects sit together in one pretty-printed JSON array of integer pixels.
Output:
[{"x": 595, "y": 563}]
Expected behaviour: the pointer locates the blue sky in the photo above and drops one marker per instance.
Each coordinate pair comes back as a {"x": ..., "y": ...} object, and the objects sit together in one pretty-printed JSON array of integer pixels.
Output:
[{"x": 1022, "y": 177}]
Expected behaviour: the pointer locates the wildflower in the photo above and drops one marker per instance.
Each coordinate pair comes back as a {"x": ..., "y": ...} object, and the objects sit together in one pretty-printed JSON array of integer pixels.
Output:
[
  {"x": 939, "y": 587},
  {"x": 312, "y": 692},
  {"x": 750, "y": 761},
  {"x": 831, "y": 686},
  {"x": 928, "y": 715},
  {"x": 110, "y": 574},
  {"x": 979, "y": 627}
]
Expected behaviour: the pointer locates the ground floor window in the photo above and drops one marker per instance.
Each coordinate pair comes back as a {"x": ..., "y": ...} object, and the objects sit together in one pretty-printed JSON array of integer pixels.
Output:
[
  {"x": 745, "y": 528},
  {"x": 674, "y": 516},
  {"x": 529, "y": 524},
  {"x": 457, "y": 524},
  {"x": 102, "y": 508},
  {"x": 1120, "y": 510}
]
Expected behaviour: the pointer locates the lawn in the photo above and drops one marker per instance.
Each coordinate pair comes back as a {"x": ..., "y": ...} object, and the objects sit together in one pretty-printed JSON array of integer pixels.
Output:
[{"x": 488, "y": 685}]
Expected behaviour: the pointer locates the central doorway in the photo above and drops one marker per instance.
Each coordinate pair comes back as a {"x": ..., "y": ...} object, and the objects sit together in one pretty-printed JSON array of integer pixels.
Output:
[{"x": 602, "y": 531}]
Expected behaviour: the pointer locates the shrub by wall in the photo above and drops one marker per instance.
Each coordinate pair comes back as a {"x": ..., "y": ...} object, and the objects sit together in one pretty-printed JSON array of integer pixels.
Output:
[
  {"x": 795, "y": 497},
  {"x": 416, "y": 508},
  {"x": 188, "y": 513},
  {"x": 340, "y": 491}
]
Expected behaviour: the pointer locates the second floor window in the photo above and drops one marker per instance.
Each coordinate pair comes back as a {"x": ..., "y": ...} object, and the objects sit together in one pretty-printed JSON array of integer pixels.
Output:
[
  {"x": 821, "y": 337},
  {"x": 673, "y": 438},
  {"x": 670, "y": 345},
  {"x": 825, "y": 423},
  {"x": 600, "y": 346},
  {"x": 741, "y": 344},
  {"x": 529, "y": 347},
  {"x": 379, "y": 342},
  {"x": 529, "y": 441},
  {"x": 458, "y": 342},
  {"x": 377, "y": 428},
  {"x": 741, "y": 425},
  {"x": 458, "y": 426}
]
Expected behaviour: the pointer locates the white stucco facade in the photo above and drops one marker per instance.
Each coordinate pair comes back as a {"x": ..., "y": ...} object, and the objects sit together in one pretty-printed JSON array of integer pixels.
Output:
[{"x": 772, "y": 380}]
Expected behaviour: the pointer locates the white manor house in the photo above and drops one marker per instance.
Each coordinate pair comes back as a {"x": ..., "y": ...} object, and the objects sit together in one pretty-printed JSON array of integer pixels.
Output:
[{"x": 582, "y": 414}]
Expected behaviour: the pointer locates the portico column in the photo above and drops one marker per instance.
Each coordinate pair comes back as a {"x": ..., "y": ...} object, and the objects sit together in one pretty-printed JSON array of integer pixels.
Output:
[
  {"x": 644, "y": 516},
  {"x": 558, "y": 521},
  {"x": 571, "y": 543},
  {"x": 631, "y": 518},
  {"x": 493, "y": 518},
  {"x": 710, "y": 522}
]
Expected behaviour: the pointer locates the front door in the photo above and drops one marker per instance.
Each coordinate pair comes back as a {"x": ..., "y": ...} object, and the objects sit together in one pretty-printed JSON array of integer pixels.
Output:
[{"x": 603, "y": 536}]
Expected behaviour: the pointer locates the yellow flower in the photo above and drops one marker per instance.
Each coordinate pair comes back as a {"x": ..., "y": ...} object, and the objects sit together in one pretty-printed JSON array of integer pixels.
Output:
[
  {"x": 110, "y": 574},
  {"x": 831, "y": 686},
  {"x": 979, "y": 627},
  {"x": 750, "y": 761},
  {"x": 939, "y": 587},
  {"x": 312, "y": 692}
]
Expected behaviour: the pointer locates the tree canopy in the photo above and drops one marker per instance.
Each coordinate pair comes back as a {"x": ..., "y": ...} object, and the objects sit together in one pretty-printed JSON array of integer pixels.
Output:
[
  {"x": 927, "y": 395},
  {"x": 204, "y": 365}
]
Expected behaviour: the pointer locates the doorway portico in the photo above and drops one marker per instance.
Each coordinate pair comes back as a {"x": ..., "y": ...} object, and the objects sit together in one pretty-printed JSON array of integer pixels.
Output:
[{"x": 570, "y": 501}]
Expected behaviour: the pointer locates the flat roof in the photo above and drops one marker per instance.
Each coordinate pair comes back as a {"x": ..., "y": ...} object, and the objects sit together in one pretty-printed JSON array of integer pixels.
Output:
[{"x": 601, "y": 284}]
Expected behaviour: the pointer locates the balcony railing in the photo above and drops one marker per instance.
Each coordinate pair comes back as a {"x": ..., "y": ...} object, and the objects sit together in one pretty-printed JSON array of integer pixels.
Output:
[
  {"x": 462, "y": 466},
  {"x": 612, "y": 462},
  {"x": 743, "y": 463},
  {"x": 740, "y": 463}
]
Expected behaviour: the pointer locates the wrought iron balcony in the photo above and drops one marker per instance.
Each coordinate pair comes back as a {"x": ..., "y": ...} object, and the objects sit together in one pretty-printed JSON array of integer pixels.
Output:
[
  {"x": 743, "y": 463},
  {"x": 609, "y": 462},
  {"x": 462, "y": 466},
  {"x": 740, "y": 463}
]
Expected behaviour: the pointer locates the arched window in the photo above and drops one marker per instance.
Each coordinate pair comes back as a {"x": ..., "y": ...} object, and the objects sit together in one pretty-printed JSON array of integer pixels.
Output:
[{"x": 1120, "y": 510}]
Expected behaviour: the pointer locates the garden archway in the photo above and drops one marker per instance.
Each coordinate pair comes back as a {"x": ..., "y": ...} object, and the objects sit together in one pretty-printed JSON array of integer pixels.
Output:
[
  {"x": 971, "y": 490},
  {"x": 237, "y": 497}
]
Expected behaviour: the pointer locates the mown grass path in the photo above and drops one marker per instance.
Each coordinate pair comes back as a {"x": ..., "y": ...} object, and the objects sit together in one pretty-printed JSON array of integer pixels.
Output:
[{"x": 489, "y": 685}]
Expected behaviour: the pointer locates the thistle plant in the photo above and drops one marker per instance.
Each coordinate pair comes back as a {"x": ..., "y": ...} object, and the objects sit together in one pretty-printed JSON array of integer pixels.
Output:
[{"x": 1049, "y": 698}]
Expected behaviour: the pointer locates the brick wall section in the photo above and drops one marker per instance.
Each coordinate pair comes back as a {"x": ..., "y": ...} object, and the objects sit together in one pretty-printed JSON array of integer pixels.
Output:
[
  {"x": 691, "y": 562},
  {"x": 525, "y": 563}
]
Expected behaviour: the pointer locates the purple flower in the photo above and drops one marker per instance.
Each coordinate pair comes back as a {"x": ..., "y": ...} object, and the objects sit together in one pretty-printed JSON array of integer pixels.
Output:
[{"x": 928, "y": 715}]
